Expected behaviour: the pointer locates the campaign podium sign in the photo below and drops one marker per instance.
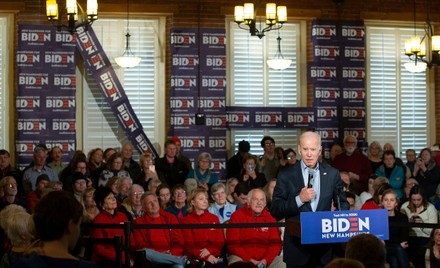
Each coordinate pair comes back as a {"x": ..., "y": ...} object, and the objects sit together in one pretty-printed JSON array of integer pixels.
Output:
[{"x": 339, "y": 226}]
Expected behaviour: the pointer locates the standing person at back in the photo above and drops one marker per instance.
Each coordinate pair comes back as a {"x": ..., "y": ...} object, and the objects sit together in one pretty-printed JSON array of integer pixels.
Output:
[
  {"x": 305, "y": 187},
  {"x": 269, "y": 162},
  {"x": 355, "y": 162},
  {"x": 179, "y": 154},
  {"x": 130, "y": 165},
  {"x": 174, "y": 169}
]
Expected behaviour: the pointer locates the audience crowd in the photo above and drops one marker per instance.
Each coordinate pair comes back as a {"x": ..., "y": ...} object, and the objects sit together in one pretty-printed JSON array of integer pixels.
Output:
[{"x": 110, "y": 187}]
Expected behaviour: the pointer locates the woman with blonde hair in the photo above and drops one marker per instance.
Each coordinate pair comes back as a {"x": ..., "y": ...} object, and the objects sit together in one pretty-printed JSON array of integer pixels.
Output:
[
  {"x": 148, "y": 171},
  {"x": 89, "y": 204},
  {"x": 203, "y": 245}
]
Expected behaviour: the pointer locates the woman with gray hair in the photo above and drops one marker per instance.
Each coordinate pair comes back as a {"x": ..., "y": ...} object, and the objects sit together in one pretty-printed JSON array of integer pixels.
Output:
[
  {"x": 375, "y": 155},
  {"x": 221, "y": 207},
  {"x": 132, "y": 205},
  {"x": 202, "y": 173}
]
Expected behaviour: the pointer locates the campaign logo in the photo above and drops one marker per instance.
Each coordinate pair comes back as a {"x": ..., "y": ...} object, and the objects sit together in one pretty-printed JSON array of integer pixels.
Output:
[
  {"x": 60, "y": 103},
  {"x": 238, "y": 118},
  {"x": 268, "y": 118},
  {"x": 214, "y": 40},
  {"x": 324, "y": 72},
  {"x": 25, "y": 147},
  {"x": 65, "y": 146},
  {"x": 324, "y": 31},
  {"x": 342, "y": 227},
  {"x": 39, "y": 36},
  {"x": 300, "y": 118},
  {"x": 354, "y": 53},
  {"x": 142, "y": 143},
  {"x": 353, "y": 73},
  {"x": 64, "y": 81},
  {"x": 59, "y": 58},
  {"x": 216, "y": 121},
  {"x": 327, "y": 112},
  {"x": 324, "y": 51},
  {"x": 328, "y": 134},
  {"x": 97, "y": 61},
  {"x": 356, "y": 32},
  {"x": 218, "y": 164},
  {"x": 327, "y": 94},
  {"x": 64, "y": 37},
  {"x": 217, "y": 142},
  {"x": 196, "y": 142},
  {"x": 183, "y": 120},
  {"x": 353, "y": 94},
  {"x": 183, "y": 82},
  {"x": 33, "y": 80},
  {"x": 85, "y": 41},
  {"x": 27, "y": 102},
  {"x": 185, "y": 61},
  {"x": 358, "y": 134},
  {"x": 183, "y": 39},
  {"x": 126, "y": 118},
  {"x": 217, "y": 62},
  {"x": 353, "y": 113},
  {"x": 181, "y": 104},
  {"x": 28, "y": 57},
  {"x": 33, "y": 126},
  {"x": 212, "y": 104},
  {"x": 214, "y": 82},
  {"x": 108, "y": 85},
  {"x": 62, "y": 125}
]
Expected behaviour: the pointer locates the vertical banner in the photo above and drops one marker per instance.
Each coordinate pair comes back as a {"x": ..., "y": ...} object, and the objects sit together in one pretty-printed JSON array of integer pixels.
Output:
[
  {"x": 198, "y": 85},
  {"x": 98, "y": 64},
  {"x": 338, "y": 77},
  {"x": 45, "y": 99}
]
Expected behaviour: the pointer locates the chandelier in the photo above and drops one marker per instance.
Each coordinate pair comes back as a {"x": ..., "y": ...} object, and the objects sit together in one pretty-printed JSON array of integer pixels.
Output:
[
  {"x": 275, "y": 17},
  {"x": 422, "y": 52},
  {"x": 128, "y": 59},
  {"x": 74, "y": 19},
  {"x": 279, "y": 62}
]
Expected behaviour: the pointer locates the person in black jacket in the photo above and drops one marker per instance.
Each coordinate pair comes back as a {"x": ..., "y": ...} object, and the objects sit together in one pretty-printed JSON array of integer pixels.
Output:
[{"x": 173, "y": 169}]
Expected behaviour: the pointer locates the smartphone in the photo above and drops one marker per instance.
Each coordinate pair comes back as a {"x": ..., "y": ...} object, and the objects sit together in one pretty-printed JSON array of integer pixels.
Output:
[{"x": 152, "y": 168}]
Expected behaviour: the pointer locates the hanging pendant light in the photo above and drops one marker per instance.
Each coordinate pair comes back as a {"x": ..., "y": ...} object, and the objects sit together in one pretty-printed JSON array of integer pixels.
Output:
[
  {"x": 128, "y": 59},
  {"x": 279, "y": 62}
]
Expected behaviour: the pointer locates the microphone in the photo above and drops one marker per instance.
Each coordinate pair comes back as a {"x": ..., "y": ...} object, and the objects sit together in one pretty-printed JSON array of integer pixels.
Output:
[{"x": 311, "y": 178}]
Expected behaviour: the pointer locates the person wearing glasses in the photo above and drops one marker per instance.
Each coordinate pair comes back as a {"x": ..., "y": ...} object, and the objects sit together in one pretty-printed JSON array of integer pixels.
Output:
[
  {"x": 79, "y": 184},
  {"x": 9, "y": 187},
  {"x": 178, "y": 201},
  {"x": 132, "y": 205},
  {"x": 269, "y": 162},
  {"x": 355, "y": 162},
  {"x": 308, "y": 186}
]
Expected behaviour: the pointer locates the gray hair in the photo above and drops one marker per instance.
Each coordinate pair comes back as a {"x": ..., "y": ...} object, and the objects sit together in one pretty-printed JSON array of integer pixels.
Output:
[{"x": 205, "y": 155}]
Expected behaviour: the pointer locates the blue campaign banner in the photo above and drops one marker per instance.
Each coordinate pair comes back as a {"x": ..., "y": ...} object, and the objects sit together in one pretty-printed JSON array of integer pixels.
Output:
[{"x": 339, "y": 226}]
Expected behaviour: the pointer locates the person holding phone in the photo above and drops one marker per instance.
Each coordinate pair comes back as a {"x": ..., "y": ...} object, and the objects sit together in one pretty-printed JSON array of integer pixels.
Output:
[
  {"x": 250, "y": 175},
  {"x": 148, "y": 171}
]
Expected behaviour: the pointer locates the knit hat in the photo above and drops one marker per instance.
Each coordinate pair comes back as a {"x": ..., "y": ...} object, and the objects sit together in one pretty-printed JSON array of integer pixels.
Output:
[
  {"x": 78, "y": 176},
  {"x": 42, "y": 177},
  {"x": 175, "y": 139}
]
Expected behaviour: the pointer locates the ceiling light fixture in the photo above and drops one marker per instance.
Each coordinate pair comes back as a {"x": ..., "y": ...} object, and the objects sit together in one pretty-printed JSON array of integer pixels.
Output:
[
  {"x": 279, "y": 62},
  {"x": 74, "y": 19},
  {"x": 128, "y": 59}
]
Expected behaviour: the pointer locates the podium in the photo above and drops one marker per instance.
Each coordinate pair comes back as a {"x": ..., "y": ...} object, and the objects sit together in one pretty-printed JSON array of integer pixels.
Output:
[{"x": 338, "y": 226}]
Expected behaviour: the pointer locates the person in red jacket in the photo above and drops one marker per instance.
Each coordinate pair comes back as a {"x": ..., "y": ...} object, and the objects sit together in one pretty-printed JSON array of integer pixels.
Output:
[
  {"x": 260, "y": 245},
  {"x": 204, "y": 245},
  {"x": 104, "y": 254},
  {"x": 161, "y": 246}
]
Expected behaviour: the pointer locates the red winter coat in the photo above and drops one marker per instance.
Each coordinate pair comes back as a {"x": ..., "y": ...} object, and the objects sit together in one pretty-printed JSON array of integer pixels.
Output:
[
  {"x": 107, "y": 251},
  {"x": 161, "y": 240},
  {"x": 253, "y": 243},
  {"x": 196, "y": 239}
]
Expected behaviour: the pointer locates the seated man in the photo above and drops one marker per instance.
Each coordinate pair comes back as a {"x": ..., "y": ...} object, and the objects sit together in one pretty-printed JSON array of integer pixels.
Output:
[
  {"x": 161, "y": 246},
  {"x": 261, "y": 246}
]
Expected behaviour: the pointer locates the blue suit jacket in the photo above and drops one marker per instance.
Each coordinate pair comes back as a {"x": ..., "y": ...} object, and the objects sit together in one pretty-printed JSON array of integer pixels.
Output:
[{"x": 289, "y": 184}]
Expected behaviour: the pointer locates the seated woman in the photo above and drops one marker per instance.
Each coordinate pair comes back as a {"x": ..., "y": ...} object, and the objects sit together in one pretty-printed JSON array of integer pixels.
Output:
[
  {"x": 432, "y": 255},
  {"x": 178, "y": 202},
  {"x": 418, "y": 210},
  {"x": 394, "y": 173},
  {"x": 221, "y": 207},
  {"x": 202, "y": 173},
  {"x": 57, "y": 219},
  {"x": 398, "y": 234},
  {"x": 427, "y": 172},
  {"x": 375, "y": 155},
  {"x": 163, "y": 193},
  {"x": 203, "y": 245},
  {"x": 95, "y": 159},
  {"x": 104, "y": 254},
  {"x": 114, "y": 167},
  {"x": 230, "y": 188},
  {"x": 89, "y": 204},
  {"x": 148, "y": 171},
  {"x": 250, "y": 174},
  {"x": 268, "y": 190},
  {"x": 375, "y": 202}
]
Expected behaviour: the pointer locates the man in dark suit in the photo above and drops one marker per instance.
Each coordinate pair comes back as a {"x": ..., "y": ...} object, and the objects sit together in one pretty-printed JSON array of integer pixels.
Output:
[{"x": 305, "y": 187}]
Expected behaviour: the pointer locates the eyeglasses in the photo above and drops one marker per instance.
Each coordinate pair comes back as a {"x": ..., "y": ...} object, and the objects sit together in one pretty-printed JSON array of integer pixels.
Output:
[
  {"x": 268, "y": 144},
  {"x": 290, "y": 157},
  {"x": 80, "y": 182},
  {"x": 180, "y": 193},
  {"x": 11, "y": 185},
  {"x": 137, "y": 193}
]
